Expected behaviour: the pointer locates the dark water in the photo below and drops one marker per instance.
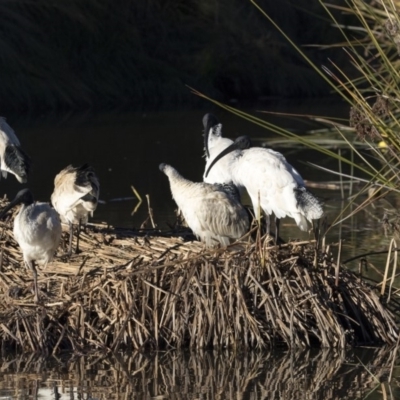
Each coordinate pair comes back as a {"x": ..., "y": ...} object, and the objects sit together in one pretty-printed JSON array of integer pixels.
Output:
[{"x": 125, "y": 150}]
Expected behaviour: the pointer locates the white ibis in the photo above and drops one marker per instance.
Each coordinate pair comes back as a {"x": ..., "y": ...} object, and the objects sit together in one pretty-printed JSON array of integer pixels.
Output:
[
  {"x": 271, "y": 182},
  {"x": 214, "y": 143},
  {"x": 213, "y": 212},
  {"x": 37, "y": 229},
  {"x": 75, "y": 196},
  {"x": 12, "y": 158}
]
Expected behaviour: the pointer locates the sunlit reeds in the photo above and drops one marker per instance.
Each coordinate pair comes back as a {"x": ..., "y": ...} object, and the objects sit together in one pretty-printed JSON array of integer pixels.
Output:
[{"x": 132, "y": 290}]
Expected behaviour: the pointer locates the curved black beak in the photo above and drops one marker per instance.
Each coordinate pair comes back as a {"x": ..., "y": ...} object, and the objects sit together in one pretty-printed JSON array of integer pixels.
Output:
[
  {"x": 7, "y": 208},
  {"x": 241, "y": 143},
  {"x": 23, "y": 196},
  {"x": 209, "y": 122}
]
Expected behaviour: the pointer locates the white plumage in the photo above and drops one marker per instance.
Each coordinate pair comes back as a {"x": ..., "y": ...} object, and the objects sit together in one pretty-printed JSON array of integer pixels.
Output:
[
  {"x": 12, "y": 158},
  {"x": 75, "y": 196},
  {"x": 37, "y": 229},
  {"x": 213, "y": 212},
  {"x": 273, "y": 185}
]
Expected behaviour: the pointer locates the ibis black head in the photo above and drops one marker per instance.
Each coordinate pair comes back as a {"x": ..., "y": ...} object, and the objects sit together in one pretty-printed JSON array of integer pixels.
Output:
[
  {"x": 24, "y": 196},
  {"x": 231, "y": 189},
  {"x": 82, "y": 173},
  {"x": 18, "y": 162},
  {"x": 162, "y": 167},
  {"x": 86, "y": 177},
  {"x": 210, "y": 122},
  {"x": 241, "y": 143}
]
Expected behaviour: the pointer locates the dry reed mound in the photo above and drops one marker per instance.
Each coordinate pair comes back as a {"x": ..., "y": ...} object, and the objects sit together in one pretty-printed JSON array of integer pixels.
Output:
[{"x": 129, "y": 290}]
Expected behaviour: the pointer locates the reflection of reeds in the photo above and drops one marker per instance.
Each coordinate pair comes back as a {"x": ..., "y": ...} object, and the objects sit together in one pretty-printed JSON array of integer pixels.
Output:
[
  {"x": 325, "y": 374},
  {"x": 127, "y": 291}
]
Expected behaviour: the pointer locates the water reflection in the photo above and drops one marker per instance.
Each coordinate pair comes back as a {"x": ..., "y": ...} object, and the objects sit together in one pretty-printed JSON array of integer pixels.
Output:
[{"x": 307, "y": 374}]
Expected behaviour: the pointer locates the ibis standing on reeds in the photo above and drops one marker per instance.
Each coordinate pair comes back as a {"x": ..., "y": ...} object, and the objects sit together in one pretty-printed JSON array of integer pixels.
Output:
[
  {"x": 37, "y": 229},
  {"x": 12, "y": 158},
  {"x": 75, "y": 196},
  {"x": 213, "y": 212},
  {"x": 271, "y": 182}
]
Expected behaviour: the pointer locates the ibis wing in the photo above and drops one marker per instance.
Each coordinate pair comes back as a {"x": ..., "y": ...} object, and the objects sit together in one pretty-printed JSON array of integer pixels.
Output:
[
  {"x": 66, "y": 193},
  {"x": 272, "y": 165},
  {"x": 17, "y": 161},
  {"x": 223, "y": 216}
]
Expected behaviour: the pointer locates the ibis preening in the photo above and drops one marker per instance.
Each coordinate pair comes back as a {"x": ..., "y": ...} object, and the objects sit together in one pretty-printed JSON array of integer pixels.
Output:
[
  {"x": 75, "y": 196},
  {"x": 273, "y": 185},
  {"x": 12, "y": 158},
  {"x": 37, "y": 229},
  {"x": 214, "y": 144},
  {"x": 213, "y": 212}
]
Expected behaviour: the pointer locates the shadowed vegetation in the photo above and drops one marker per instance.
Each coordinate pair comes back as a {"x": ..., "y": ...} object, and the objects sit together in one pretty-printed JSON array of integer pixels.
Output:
[{"x": 102, "y": 54}]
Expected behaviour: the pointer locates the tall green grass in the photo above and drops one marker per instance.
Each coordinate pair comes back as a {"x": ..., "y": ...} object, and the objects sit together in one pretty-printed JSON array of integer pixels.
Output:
[{"x": 368, "y": 80}]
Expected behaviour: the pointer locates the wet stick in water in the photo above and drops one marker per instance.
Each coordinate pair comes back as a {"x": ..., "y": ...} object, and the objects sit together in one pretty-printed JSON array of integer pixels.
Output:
[{"x": 136, "y": 193}]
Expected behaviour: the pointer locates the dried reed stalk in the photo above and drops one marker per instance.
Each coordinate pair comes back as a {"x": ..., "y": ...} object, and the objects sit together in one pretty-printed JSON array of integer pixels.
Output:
[{"x": 130, "y": 291}]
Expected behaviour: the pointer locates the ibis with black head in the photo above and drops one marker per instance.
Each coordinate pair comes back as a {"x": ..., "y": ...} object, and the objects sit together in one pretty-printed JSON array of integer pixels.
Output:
[
  {"x": 273, "y": 185},
  {"x": 37, "y": 229},
  {"x": 13, "y": 158},
  {"x": 75, "y": 197}
]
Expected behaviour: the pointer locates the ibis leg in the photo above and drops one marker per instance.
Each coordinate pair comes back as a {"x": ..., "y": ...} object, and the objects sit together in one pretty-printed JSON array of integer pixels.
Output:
[
  {"x": 77, "y": 238},
  {"x": 71, "y": 233},
  {"x": 268, "y": 218},
  {"x": 32, "y": 267},
  {"x": 277, "y": 223},
  {"x": 316, "y": 231}
]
